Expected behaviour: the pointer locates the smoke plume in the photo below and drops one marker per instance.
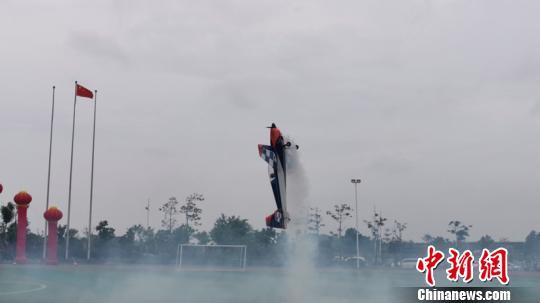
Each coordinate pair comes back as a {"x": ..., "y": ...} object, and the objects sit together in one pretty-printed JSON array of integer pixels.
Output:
[{"x": 300, "y": 246}]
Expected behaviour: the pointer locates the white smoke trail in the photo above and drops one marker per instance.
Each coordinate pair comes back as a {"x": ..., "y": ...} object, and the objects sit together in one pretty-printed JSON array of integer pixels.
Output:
[
  {"x": 301, "y": 247},
  {"x": 297, "y": 191}
]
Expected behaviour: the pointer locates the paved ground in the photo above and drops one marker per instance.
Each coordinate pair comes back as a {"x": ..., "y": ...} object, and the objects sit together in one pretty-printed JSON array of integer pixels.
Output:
[{"x": 73, "y": 284}]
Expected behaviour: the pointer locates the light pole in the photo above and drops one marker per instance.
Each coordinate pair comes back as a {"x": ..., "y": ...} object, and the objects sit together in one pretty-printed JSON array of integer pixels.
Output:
[
  {"x": 147, "y": 208},
  {"x": 356, "y": 182}
]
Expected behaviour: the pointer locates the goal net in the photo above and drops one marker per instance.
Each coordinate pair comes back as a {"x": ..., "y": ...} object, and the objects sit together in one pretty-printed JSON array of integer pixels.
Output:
[{"x": 226, "y": 257}]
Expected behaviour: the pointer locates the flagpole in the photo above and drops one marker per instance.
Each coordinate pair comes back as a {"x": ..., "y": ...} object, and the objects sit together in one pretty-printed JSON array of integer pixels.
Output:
[
  {"x": 92, "y": 180},
  {"x": 71, "y": 174},
  {"x": 48, "y": 175}
]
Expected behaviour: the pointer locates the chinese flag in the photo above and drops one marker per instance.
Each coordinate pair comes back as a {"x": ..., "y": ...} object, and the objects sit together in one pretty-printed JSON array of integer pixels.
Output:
[{"x": 84, "y": 92}]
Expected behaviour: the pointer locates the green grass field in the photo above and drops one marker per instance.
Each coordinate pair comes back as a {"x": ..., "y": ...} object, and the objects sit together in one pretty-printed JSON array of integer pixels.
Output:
[{"x": 72, "y": 284}]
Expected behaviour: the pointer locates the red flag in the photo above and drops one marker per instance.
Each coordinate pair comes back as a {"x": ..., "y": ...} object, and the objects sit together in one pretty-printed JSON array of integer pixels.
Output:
[{"x": 84, "y": 92}]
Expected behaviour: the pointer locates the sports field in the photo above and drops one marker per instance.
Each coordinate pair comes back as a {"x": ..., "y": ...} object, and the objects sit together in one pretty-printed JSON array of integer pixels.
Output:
[{"x": 72, "y": 284}]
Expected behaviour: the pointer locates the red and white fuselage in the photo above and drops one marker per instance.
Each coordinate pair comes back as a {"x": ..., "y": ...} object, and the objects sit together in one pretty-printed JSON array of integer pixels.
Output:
[{"x": 275, "y": 155}]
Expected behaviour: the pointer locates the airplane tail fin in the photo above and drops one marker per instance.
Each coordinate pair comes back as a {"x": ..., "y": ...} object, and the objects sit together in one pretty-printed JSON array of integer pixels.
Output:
[
  {"x": 276, "y": 220},
  {"x": 267, "y": 153}
]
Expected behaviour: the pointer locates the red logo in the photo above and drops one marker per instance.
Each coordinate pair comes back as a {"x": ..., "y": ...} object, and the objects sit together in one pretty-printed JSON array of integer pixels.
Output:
[
  {"x": 460, "y": 266},
  {"x": 491, "y": 265},
  {"x": 494, "y": 265},
  {"x": 430, "y": 263}
]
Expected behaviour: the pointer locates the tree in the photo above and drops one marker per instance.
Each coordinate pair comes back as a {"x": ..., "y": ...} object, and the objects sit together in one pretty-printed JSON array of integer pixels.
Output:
[
  {"x": 532, "y": 250},
  {"x": 105, "y": 233},
  {"x": 315, "y": 221},
  {"x": 148, "y": 242},
  {"x": 388, "y": 235},
  {"x": 340, "y": 213},
  {"x": 169, "y": 210},
  {"x": 396, "y": 240},
  {"x": 264, "y": 248},
  {"x": 398, "y": 230},
  {"x": 12, "y": 233},
  {"x": 202, "y": 237},
  {"x": 135, "y": 233},
  {"x": 76, "y": 248},
  {"x": 441, "y": 243},
  {"x": 376, "y": 227},
  {"x": 190, "y": 209},
  {"x": 427, "y": 238},
  {"x": 182, "y": 234},
  {"x": 532, "y": 242},
  {"x": 132, "y": 242},
  {"x": 8, "y": 214},
  {"x": 486, "y": 242},
  {"x": 265, "y": 237},
  {"x": 437, "y": 241},
  {"x": 34, "y": 245},
  {"x": 73, "y": 233},
  {"x": 459, "y": 230},
  {"x": 164, "y": 246},
  {"x": 230, "y": 230},
  {"x": 106, "y": 245},
  {"x": 349, "y": 240}
]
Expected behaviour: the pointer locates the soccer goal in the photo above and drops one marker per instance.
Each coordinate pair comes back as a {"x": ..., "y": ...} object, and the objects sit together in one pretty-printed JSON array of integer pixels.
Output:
[{"x": 217, "y": 257}]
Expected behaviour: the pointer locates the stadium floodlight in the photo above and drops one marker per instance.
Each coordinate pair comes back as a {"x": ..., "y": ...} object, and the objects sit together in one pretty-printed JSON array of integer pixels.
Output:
[
  {"x": 356, "y": 182},
  {"x": 221, "y": 257}
]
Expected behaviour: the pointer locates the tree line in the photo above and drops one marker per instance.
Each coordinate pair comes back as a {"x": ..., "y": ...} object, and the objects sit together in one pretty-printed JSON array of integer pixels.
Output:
[{"x": 180, "y": 224}]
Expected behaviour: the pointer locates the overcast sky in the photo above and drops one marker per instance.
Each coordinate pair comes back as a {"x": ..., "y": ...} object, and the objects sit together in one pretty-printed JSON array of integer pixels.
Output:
[{"x": 435, "y": 105}]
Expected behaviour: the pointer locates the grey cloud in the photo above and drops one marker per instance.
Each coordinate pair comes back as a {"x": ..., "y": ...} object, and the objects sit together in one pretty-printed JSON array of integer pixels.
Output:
[
  {"x": 99, "y": 46},
  {"x": 428, "y": 101}
]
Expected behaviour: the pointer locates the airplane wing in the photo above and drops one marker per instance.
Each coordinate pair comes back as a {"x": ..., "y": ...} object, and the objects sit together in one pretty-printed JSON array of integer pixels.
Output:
[
  {"x": 267, "y": 154},
  {"x": 275, "y": 173}
]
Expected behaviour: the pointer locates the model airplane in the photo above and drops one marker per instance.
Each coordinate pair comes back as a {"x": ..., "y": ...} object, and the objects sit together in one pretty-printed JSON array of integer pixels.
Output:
[{"x": 274, "y": 154}]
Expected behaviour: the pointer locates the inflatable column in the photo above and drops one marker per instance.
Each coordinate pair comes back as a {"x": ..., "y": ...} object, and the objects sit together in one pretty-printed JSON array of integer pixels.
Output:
[
  {"x": 22, "y": 199},
  {"x": 52, "y": 215}
]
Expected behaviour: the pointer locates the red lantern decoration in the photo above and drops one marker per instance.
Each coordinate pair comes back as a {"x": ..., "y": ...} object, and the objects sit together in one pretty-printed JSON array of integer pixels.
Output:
[
  {"x": 22, "y": 199},
  {"x": 52, "y": 215}
]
